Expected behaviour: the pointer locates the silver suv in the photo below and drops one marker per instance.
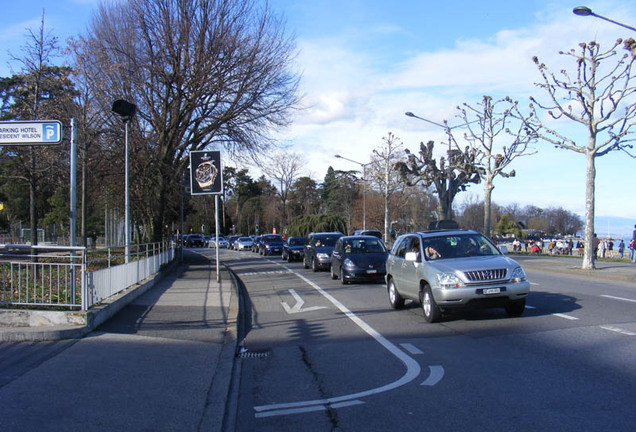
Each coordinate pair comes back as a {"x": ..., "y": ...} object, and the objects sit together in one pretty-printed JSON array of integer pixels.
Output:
[{"x": 452, "y": 269}]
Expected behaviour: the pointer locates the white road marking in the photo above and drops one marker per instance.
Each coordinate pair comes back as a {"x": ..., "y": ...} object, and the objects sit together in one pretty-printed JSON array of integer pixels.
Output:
[
  {"x": 437, "y": 373},
  {"x": 275, "y": 272},
  {"x": 307, "y": 409},
  {"x": 412, "y": 367},
  {"x": 560, "y": 315},
  {"x": 299, "y": 304},
  {"x": 412, "y": 349},
  {"x": 618, "y": 298},
  {"x": 618, "y": 330}
]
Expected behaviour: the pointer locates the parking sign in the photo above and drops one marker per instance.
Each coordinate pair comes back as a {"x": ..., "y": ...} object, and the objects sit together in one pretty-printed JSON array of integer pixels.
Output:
[{"x": 30, "y": 132}]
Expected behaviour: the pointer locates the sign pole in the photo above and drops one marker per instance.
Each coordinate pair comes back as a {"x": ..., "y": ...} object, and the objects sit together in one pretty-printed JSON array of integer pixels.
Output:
[
  {"x": 216, "y": 221},
  {"x": 73, "y": 181}
]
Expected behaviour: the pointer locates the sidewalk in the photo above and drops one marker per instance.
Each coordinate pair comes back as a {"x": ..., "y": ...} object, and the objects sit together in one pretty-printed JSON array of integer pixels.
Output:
[
  {"x": 605, "y": 270},
  {"x": 163, "y": 363}
]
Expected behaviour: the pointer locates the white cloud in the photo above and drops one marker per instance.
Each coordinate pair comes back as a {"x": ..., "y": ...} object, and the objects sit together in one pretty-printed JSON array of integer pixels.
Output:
[{"x": 352, "y": 103}]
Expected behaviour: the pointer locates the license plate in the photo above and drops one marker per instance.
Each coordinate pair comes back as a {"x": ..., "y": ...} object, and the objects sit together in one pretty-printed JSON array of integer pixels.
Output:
[
  {"x": 492, "y": 291},
  {"x": 371, "y": 271}
]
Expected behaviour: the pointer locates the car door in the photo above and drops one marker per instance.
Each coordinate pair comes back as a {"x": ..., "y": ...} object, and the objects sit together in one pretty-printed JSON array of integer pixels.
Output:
[
  {"x": 407, "y": 282},
  {"x": 336, "y": 256}
]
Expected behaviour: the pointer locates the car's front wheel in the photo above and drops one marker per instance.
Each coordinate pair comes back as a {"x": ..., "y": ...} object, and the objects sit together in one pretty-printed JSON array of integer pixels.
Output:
[
  {"x": 333, "y": 275},
  {"x": 432, "y": 312},
  {"x": 395, "y": 299},
  {"x": 516, "y": 308},
  {"x": 342, "y": 277}
]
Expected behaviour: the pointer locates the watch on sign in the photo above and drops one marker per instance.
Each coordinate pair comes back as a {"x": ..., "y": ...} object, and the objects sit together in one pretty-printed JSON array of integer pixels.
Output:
[{"x": 205, "y": 174}]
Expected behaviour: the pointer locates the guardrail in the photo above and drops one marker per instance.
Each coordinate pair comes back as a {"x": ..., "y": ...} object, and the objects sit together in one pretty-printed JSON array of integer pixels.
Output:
[{"x": 72, "y": 277}]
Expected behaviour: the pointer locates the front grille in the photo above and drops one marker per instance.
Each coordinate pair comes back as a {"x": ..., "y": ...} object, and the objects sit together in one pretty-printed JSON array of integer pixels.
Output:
[{"x": 485, "y": 275}]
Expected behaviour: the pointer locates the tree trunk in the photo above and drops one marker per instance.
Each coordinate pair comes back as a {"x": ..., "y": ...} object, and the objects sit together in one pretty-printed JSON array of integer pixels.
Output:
[
  {"x": 387, "y": 198},
  {"x": 588, "y": 254},
  {"x": 488, "y": 187},
  {"x": 32, "y": 205}
]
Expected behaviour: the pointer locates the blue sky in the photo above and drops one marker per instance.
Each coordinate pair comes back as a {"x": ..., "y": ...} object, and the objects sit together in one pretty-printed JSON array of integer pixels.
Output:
[{"x": 366, "y": 62}]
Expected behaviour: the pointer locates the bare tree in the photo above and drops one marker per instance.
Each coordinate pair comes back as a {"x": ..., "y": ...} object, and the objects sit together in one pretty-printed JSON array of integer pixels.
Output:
[
  {"x": 283, "y": 168},
  {"x": 599, "y": 97},
  {"x": 453, "y": 175},
  {"x": 490, "y": 126},
  {"x": 385, "y": 176},
  {"x": 39, "y": 49},
  {"x": 203, "y": 73}
]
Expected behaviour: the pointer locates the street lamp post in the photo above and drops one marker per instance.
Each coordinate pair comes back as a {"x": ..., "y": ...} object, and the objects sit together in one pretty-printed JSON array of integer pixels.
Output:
[
  {"x": 364, "y": 188},
  {"x": 586, "y": 11},
  {"x": 126, "y": 110}
]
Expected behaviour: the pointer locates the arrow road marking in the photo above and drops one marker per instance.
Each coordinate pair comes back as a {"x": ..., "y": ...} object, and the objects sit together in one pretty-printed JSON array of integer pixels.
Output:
[
  {"x": 412, "y": 369},
  {"x": 298, "y": 307}
]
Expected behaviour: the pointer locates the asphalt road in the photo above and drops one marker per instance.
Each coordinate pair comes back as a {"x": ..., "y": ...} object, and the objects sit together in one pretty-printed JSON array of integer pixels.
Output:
[{"x": 322, "y": 356}]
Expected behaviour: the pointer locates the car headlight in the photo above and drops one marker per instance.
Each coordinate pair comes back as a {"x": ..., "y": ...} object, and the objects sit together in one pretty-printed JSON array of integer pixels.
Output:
[
  {"x": 518, "y": 275},
  {"x": 348, "y": 263},
  {"x": 322, "y": 256},
  {"x": 449, "y": 280}
]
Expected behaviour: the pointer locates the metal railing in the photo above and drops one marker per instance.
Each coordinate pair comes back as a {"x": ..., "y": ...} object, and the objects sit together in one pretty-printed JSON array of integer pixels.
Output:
[{"x": 72, "y": 277}]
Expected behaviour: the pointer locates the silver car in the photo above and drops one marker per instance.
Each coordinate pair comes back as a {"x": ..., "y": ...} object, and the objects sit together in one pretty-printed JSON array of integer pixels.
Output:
[
  {"x": 453, "y": 269},
  {"x": 243, "y": 243}
]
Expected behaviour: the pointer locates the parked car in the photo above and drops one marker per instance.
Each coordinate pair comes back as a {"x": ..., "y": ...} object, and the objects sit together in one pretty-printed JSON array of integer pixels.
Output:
[
  {"x": 359, "y": 258},
  {"x": 317, "y": 251},
  {"x": 243, "y": 243},
  {"x": 293, "y": 248},
  {"x": 195, "y": 240},
  {"x": 271, "y": 244},
  {"x": 230, "y": 241},
  {"x": 447, "y": 270},
  {"x": 371, "y": 232}
]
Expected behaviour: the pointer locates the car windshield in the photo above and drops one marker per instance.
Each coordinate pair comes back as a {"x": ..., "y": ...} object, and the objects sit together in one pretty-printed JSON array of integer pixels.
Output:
[
  {"x": 272, "y": 237},
  {"x": 297, "y": 241},
  {"x": 245, "y": 239},
  {"x": 362, "y": 246},
  {"x": 326, "y": 241},
  {"x": 457, "y": 246}
]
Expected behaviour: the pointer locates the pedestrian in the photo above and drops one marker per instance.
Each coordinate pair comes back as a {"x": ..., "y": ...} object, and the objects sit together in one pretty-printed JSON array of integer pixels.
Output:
[
  {"x": 621, "y": 248},
  {"x": 633, "y": 245},
  {"x": 597, "y": 242}
]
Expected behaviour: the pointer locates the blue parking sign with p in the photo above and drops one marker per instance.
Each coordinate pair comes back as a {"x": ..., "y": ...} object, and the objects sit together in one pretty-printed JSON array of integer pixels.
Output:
[{"x": 51, "y": 132}]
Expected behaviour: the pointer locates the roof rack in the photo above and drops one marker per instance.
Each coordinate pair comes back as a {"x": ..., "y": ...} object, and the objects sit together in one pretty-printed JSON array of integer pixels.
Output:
[{"x": 444, "y": 224}]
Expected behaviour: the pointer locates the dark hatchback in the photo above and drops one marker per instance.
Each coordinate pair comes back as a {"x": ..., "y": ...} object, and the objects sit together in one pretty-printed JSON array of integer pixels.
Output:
[
  {"x": 359, "y": 258},
  {"x": 293, "y": 248},
  {"x": 318, "y": 250},
  {"x": 270, "y": 244}
]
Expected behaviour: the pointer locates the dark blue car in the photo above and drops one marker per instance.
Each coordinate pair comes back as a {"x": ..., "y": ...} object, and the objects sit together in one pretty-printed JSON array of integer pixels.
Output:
[
  {"x": 359, "y": 258},
  {"x": 293, "y": 249},
  {"x": 271, "y": 244}
]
